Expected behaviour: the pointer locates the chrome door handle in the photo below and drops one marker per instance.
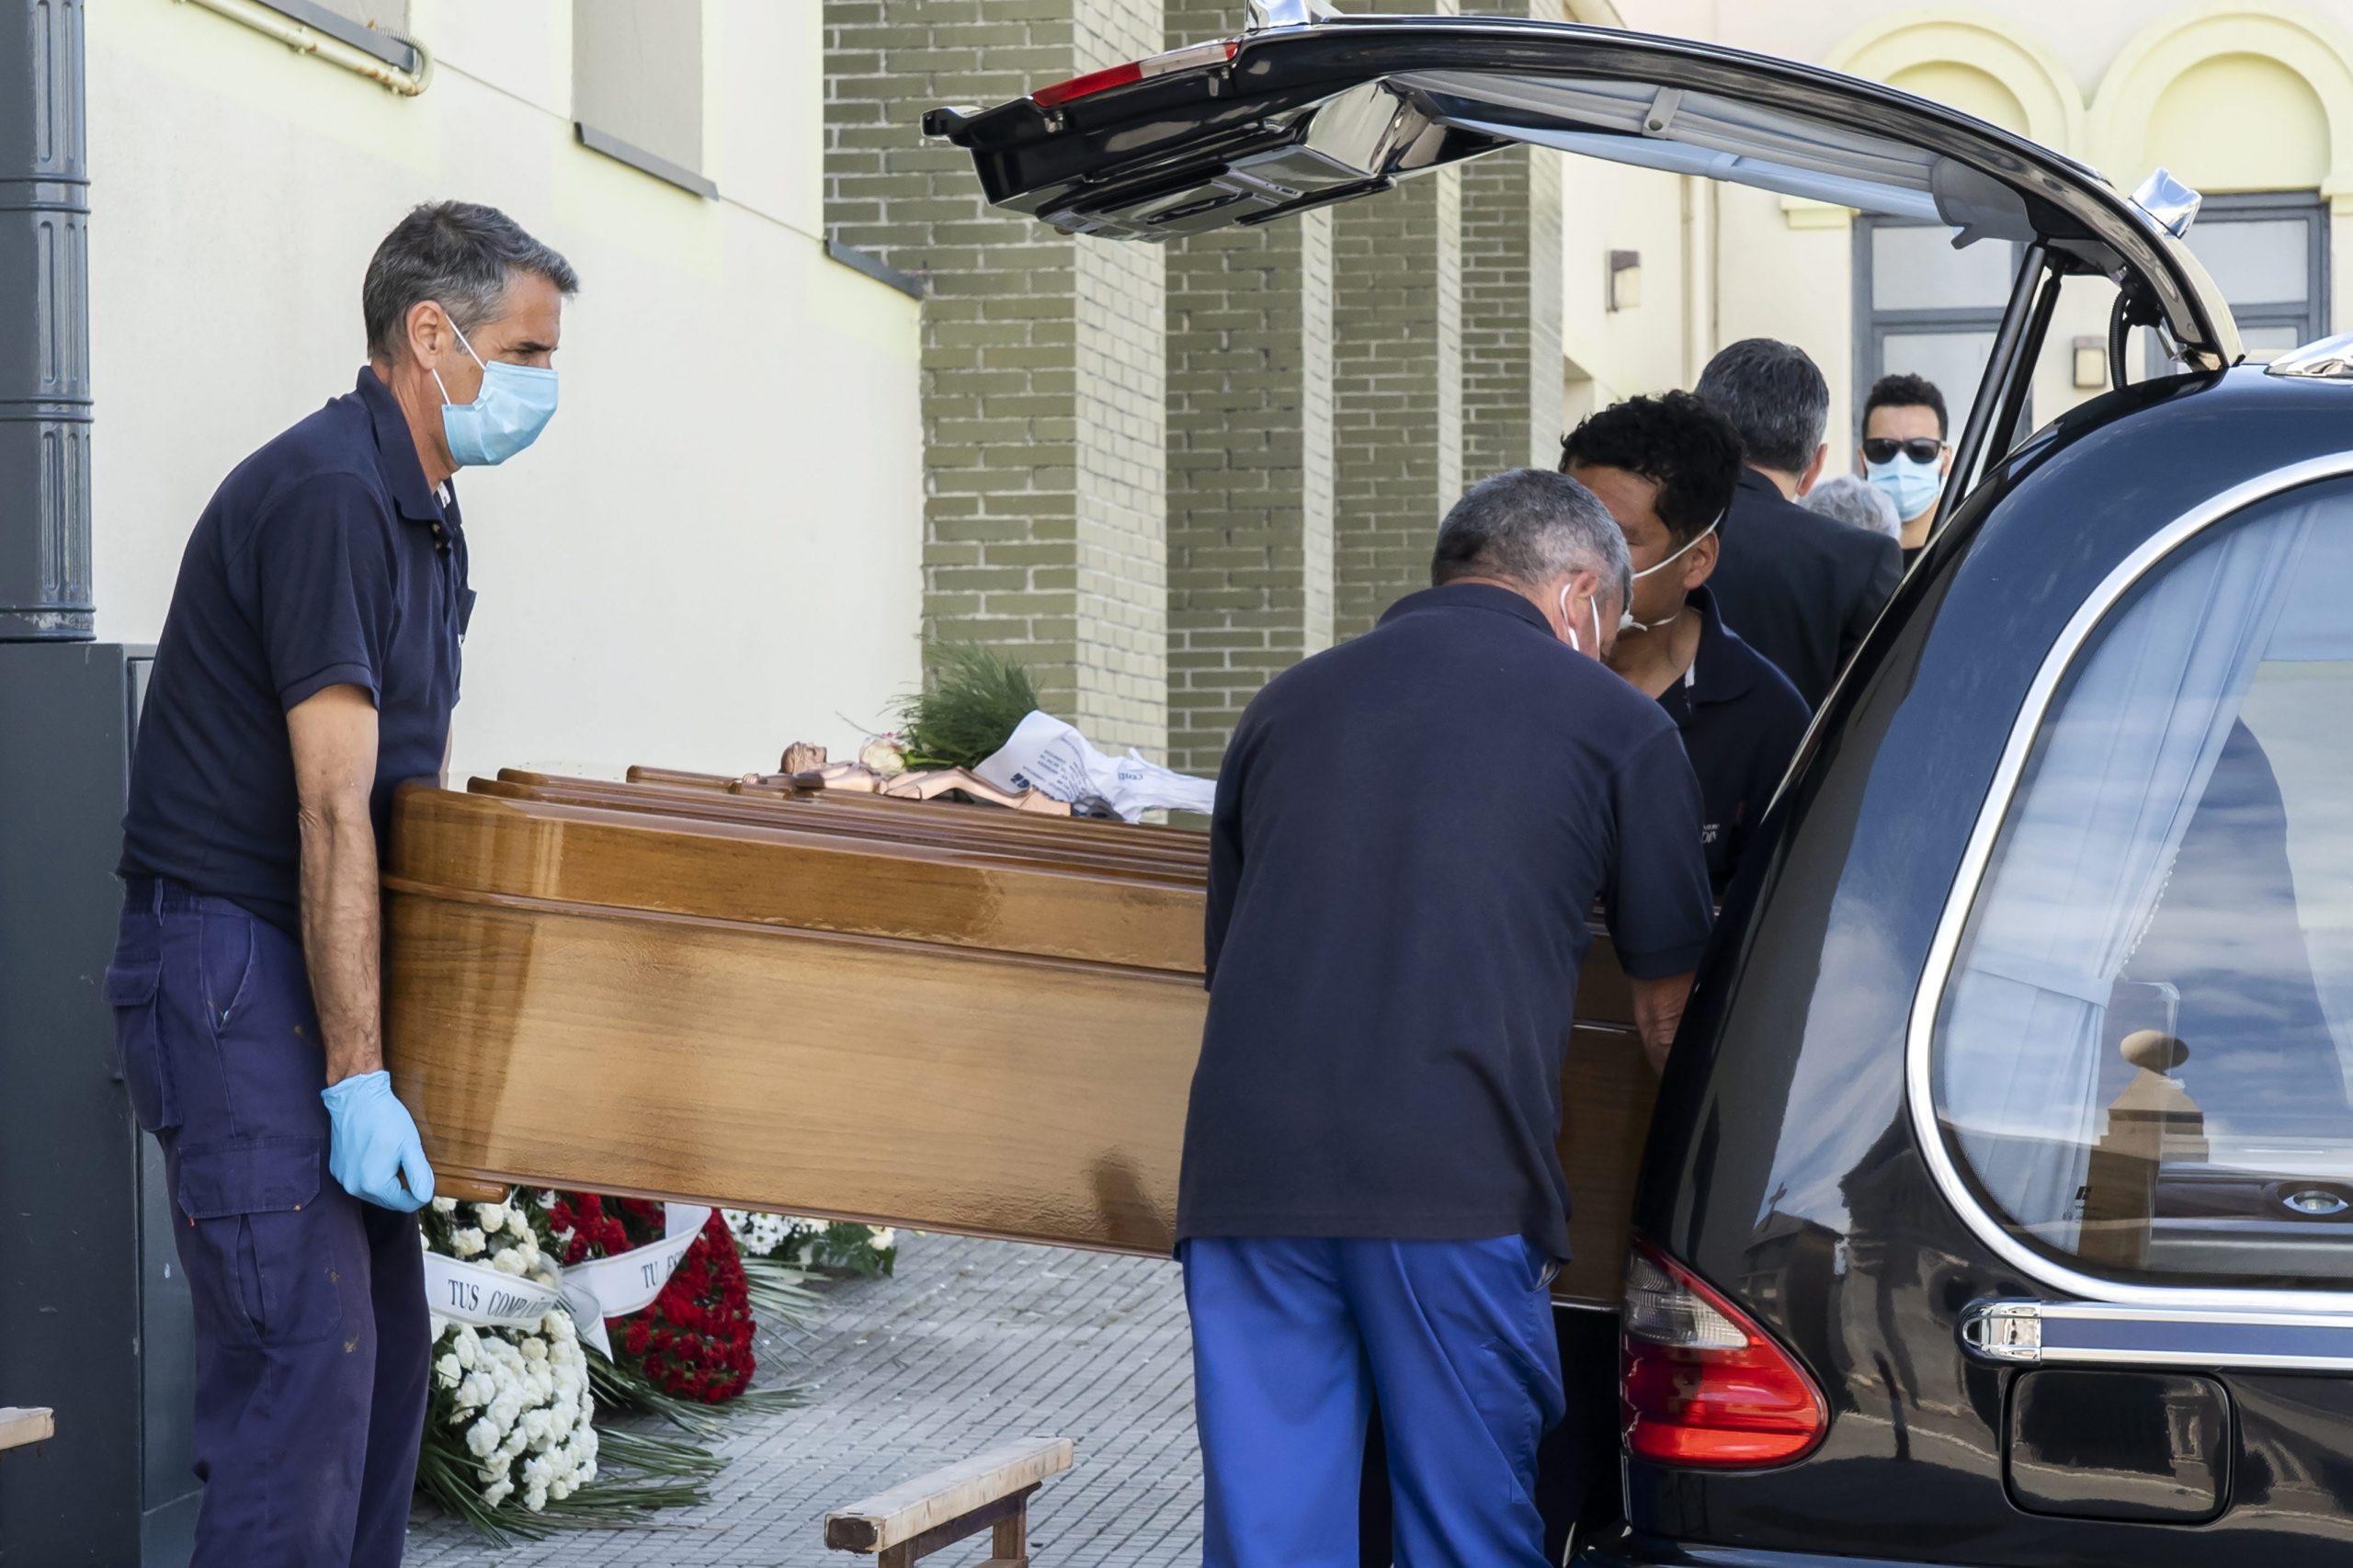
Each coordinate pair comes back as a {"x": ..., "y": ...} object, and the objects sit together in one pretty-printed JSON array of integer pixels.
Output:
[{"x": 2113, "y": 1333}]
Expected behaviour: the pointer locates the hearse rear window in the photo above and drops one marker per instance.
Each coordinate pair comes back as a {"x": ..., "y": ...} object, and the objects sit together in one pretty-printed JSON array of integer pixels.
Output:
[{"x": 2143, "y": 1052}]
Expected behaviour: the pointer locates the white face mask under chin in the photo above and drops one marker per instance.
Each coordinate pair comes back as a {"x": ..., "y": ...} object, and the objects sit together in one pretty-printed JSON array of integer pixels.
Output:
[
  {"x": 1592, "y": 609},
  {"x": 1626, "y": 621}
]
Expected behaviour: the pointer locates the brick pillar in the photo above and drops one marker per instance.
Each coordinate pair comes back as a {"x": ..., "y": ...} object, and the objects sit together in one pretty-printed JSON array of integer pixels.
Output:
[
  {"x": 1249, "y": 455},
  {"x": 1396, "y": 381},
  {"x": 1043, "y": 431},
  {"x": 1511, "y": 298}
]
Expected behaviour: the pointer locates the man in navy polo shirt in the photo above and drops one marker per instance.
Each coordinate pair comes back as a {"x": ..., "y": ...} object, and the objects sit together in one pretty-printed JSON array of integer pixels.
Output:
[
  {"x": 1666, "y": 468},
  {"x": 308, "y": 665},
  {"x": 1410, "y": 832}
]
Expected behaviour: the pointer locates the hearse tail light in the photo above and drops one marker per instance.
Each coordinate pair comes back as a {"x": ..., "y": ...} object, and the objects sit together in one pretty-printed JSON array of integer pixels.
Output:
[
  {"x": 1134, "y": 71},
  {"x": 1704, "y": 1386}
]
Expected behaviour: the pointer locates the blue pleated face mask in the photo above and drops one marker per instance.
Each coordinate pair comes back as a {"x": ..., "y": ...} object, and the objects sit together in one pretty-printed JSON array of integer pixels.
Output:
[
  {"x": 1913, "y": 486},
  {"x": 514, "y": 405}
]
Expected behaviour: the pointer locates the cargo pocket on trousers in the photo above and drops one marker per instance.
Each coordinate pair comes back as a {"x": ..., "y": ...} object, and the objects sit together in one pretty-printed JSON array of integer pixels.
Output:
[
  {"x": 130, "y": 990},
  {"x": 272, "y": 1274}
]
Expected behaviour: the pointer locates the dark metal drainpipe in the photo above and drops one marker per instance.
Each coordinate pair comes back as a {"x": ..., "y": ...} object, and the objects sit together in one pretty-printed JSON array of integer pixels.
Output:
[{"x": 44, "y": 327}]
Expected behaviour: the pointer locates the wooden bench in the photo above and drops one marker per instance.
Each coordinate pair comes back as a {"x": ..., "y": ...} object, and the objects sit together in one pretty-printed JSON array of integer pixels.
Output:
[
  {"x": 917, "y": 1517},
  {"x": 19, "y": 1425}
]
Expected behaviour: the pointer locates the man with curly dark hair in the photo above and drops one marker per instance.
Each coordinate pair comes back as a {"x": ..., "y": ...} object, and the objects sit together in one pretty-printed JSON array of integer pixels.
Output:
[{"x": 1666, "y": 467}]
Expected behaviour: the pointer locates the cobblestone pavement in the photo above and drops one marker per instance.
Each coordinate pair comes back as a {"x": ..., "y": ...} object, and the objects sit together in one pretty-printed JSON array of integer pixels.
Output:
[{"x": 971, "y": 1343}]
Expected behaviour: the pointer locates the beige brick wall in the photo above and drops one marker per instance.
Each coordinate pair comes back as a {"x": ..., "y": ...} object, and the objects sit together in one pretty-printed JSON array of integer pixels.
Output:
[
  {"x": 1512, "y": 298},
  {"x": 1397, "y": 391},
  {"x": 1396, "y": 380},
  {"x": 1043, "y": 424},
  {"x": 1250, "y": 470}
]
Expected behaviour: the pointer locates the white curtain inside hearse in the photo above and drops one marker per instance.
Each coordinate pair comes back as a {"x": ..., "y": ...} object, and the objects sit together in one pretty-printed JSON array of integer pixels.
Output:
[{"x": 2175, "y": 857}]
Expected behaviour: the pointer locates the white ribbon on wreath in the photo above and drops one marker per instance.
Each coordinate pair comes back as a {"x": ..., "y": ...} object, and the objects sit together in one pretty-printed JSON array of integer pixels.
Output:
[{"x": 483, "y": 1297}]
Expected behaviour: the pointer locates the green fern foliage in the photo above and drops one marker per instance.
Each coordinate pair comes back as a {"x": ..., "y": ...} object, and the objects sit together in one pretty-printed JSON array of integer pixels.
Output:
[{"x": 972, "y": 698}]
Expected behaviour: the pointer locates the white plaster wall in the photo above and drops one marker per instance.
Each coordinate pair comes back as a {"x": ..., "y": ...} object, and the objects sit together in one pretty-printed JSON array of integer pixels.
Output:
[
  {"x": 713, "y": 551},
  {"x": 1608, "y": 206}
]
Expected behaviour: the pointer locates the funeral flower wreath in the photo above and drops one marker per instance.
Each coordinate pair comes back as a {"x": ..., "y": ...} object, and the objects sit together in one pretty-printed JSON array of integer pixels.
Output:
[{"x": 519, "y": 1379}]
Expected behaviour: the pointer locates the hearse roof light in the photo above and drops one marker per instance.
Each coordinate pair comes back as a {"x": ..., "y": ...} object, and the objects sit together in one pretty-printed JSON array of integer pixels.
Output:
[{"x": 1192, "y": 58}]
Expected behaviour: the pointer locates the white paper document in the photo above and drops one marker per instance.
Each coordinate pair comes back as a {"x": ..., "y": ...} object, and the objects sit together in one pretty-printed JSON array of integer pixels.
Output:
[{"x": 1045, "y": 754}]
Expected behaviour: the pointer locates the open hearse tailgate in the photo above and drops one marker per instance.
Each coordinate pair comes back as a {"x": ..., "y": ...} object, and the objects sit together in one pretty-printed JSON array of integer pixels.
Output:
[{"x": 1286, "y": 119}]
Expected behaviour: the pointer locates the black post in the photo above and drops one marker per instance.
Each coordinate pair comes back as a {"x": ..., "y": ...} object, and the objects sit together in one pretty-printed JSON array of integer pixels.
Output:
[
  {"x": 94, "y": 1318},
  {"x": 44, "y": 327},
  {"x": 2000, "y": 365}
]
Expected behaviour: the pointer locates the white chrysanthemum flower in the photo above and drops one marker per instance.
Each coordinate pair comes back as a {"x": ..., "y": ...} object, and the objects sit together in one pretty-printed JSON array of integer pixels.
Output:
[
  {"x": 524, "y": 1408},
  {"x": 507, "y": 1260},
  {"x": 884, "y": 1239},
  {"x": 445, "y": 1206},
  {"x": 466, "y": 1242},
  {"x": 491, "y": 1217}
]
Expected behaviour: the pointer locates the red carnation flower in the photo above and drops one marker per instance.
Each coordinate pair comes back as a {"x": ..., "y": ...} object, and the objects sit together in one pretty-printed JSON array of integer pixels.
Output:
[{"x": 695, "y": 1341}]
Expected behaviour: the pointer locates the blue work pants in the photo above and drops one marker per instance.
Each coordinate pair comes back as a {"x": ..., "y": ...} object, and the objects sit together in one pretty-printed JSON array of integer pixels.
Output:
[
  {"x": 1295, "y": 1339},
  {"x": 311, "y": 1333}
]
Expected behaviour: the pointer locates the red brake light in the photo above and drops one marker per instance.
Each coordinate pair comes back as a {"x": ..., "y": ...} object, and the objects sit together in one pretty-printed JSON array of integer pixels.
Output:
[
  {"x": 1093, "y": 82},
  {"x": 1199, "y": 54},
  {"x": 1704, "y": 1386}
]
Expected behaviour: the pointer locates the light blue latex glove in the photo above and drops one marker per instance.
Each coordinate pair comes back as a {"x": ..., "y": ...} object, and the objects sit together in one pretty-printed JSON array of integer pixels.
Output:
[{"x": 375, "y": 1145}]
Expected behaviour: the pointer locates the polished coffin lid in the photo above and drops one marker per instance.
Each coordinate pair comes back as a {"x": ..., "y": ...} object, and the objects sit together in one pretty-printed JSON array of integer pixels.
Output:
[{"x": 907, "y": 1014}]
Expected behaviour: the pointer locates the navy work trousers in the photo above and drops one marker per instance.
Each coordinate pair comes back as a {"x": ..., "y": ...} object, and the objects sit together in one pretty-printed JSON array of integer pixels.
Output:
[
  {"x": 312, "y": 1337},
  {"x": 1294, "y": 1340}
]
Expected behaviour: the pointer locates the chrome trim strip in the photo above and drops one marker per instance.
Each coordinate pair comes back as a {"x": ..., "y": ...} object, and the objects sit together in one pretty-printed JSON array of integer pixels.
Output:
[
  {"x": 2255, "y": 1362},
  {"x": 2049, "y": 1334},
  {"x": 2189, "y": 1316},
  {"x": 1919, "y": 1083}
]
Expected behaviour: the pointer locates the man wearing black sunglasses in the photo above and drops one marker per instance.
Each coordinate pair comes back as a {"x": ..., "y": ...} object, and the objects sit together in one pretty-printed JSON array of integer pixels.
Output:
[{"x": 1904, "y": 452}]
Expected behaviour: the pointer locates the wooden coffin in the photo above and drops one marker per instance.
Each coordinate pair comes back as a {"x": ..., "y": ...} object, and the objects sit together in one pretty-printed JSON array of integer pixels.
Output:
[{"x": 950, "y": 1018}]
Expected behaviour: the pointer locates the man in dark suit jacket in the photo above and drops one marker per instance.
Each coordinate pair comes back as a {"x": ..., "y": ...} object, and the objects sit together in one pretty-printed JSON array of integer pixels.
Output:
[{"x": 1798, "y": 587}]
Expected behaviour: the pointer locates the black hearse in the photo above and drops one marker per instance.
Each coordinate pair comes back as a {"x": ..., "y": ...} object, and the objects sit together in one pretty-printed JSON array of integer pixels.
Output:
[{"x": 1998, "y": 1204}]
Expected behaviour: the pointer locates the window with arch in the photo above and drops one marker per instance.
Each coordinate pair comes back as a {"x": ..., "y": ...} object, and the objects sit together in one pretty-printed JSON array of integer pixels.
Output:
[
  {"x": 2142, "y": 1058},
  {"x": 2268, "y": 254}
]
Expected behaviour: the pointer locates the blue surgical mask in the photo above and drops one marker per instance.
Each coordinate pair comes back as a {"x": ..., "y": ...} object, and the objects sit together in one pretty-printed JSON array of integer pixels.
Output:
[
  {"x": 1913, "y": 486},
  {"x": 514, "y": 405}
]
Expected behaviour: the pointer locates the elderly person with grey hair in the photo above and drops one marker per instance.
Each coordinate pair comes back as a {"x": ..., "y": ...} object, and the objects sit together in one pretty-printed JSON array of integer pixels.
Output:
[
  {"x": 308, "y": 665},
  {"x": 1857, "y": 502},
  {"x": 1410, "y": 831}
]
